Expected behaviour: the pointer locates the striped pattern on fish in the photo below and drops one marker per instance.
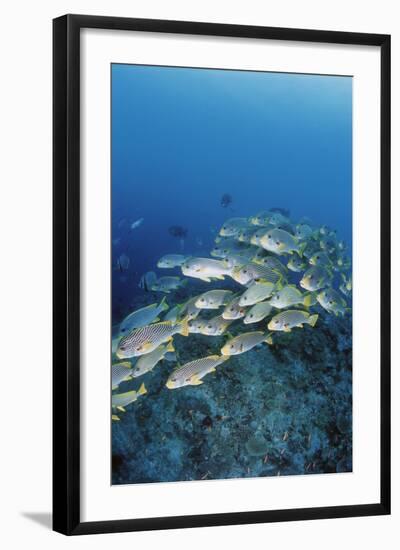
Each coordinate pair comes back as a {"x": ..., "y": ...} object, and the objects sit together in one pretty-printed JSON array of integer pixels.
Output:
[{"x": 191, "y": 373}]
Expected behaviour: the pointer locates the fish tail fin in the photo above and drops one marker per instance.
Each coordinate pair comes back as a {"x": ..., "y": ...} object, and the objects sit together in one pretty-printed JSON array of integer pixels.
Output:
[
  {"x": 142, "y": 390},
  {"x": 170, "y": 346},
  {"x": 309, "y": 299},
  {"x": 163, "y": 304},
  {"x": 313, "y": 319},
  {"x": 301, "y": 248},
  {"x": 184, "y": 327},
  {"x": 269, "y": 339}
]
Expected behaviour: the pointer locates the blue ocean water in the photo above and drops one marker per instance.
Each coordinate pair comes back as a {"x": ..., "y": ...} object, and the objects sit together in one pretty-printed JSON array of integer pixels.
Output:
[{"x": 181, "y": 139}]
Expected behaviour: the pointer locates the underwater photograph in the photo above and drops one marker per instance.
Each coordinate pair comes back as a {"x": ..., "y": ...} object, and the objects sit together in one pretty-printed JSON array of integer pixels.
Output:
[{"x": 231, "y": 270}]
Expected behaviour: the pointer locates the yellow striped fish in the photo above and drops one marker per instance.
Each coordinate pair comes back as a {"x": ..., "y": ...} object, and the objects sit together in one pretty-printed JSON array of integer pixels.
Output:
[{"x": 191, "y": 373}]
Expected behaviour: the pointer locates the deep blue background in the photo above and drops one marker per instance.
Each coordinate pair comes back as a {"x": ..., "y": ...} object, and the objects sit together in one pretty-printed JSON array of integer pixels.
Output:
[{"x": 181, "y": 138}]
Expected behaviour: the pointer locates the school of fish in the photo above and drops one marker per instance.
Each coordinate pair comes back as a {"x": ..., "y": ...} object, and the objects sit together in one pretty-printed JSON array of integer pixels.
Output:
[{"x": 283, "y": 274}]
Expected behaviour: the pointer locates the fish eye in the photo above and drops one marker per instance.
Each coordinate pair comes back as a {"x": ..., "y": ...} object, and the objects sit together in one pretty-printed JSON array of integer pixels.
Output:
[
  {"x": 209, "y": 326},
  {"x": 244, "y": 298},
  {"x": 231, "y": 346},
  {"x": 244, "y": 270},
  {"x": 277, "y": 296},
  {"x": 269, "y": 236},
  {"x": 251, "y": 316},
  {"x": 122, "y": 348},
  {"x": 330, "y": 302},
  {"x": 278, "y": 243},
  {"x": 123, "y": 329}
]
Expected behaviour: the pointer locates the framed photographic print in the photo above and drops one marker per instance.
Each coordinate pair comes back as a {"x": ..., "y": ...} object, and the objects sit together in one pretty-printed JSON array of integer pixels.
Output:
[{"x": 221, "y": 274}]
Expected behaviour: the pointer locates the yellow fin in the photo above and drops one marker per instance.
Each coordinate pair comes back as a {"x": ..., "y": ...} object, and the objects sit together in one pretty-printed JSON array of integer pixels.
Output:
[
  {"x": 312, "y": 319},
  {"x": 196, "y": 382},
  {"x": 184, "y": 327},
  {"x": 114, "y": 417},
  {"x": 163, "y": 304},
  {"x": 142, "y": 390},
  {"x": 170, "y": 346},
  {"x": 269, "y": 339},
  {"x": 121, "y": 409},
  {"x": 287, "y": 329}
]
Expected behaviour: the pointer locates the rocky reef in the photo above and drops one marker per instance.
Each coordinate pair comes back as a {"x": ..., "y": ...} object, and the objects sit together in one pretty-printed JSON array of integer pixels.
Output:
[{"x": 284, "y": 409}]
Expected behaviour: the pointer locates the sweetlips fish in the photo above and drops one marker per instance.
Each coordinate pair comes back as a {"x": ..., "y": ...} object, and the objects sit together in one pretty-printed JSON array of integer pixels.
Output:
[
  {"x": 303, "y": 231},
  {"x": 213, "y": 299},
  {"x": 320, "y": 258},
  {"x": 205, "y": 269},
  {"x": 233, "y": 310},
  {"x": 257, "y": 313},
  {"x": 120, "y": 400},
  {"x": 276, "y": 218},
  {"x": 146, "y": 339},
  {"x": 331, "y": 301},
  {"x": 167, "y": 284},
  {"x": 257, "y": 292},
  {"x": 174, "y": 313},
  {"x": 237, "y": 259},
  {"x": 120, "y": 372},
  {"x": 288, "y": 296},
  {"x": 171, "y": 260},
  {"x": 142, "y": 317},
  {"x": 281, "y": 242},
  {"x": 315, "y": 278},
  {"x": 147, "y": 362},
  {"x": 245, "y": 342},
  {"x": 290, "y": 318},
  {"x": 192, "y": 373},
  {"x": 195, "y": 325},
  {"x": 233, "y": 226},
  {"x": 215, "y": 326},
  {"x": 296, "y": 264},
  {"x": 273, "y": 263},
  {"x": 245, "y": 234},
  {"x": 252, "y": 270},
  {"x": 257, "y": 235},
  {"x": 261, "y": 219},
  {"x": 189, "y": 309}
]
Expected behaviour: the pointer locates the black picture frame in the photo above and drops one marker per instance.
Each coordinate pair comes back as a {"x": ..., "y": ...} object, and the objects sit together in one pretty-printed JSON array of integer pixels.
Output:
[{"x": 66, "y": 272}]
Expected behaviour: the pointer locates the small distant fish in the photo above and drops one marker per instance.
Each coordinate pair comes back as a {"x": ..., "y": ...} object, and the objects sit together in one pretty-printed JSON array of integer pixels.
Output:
[
  {"x": 146, "y": 339},
  {"x": 303, "y": 231},
  {"x": 121, "y": 223},
  {"x": 260, "y": 219},
  {"x": 296, "y": 264},
  {"x": 123, "y": 263},
  {"x": 137, "y": 223},
  {"x": 257, "y": 292},
  {"x": 120, "y": 372},
  {"x": 213, "y": 299},
  {"x": 245, "y": 342},
  {"x": 332, "y": 302},
  {"x": 192, "y": 373},
  {"x": 147, "y": 362},
  {"x": 284, "y": 211},
  {"x": 199, "y": 241},
  {"x": 167, "y": 284},
  {"x": 226, "y": 200},
  {"x": 142, "y": 317},
  {"x": 291, "y": 318},
  {"x": 320, "y": 258},
  {"x": 147, "y": 280},
  {"x": 315, "y": 278},
  {"x": 233, "y": 310},
  {"x": 257, "y": 313},
  {"x": 171, "y": 260},
  {"x": 276, "y": 217},
  {"x": 116, "y": 241},
  {"x": 281, "y": 242},
  {"x": 233, "y": 226},
  {"x": 120, "y": 400},
  {"x": 205, "y": 269},
  {"x": 215, "y": 326}
]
